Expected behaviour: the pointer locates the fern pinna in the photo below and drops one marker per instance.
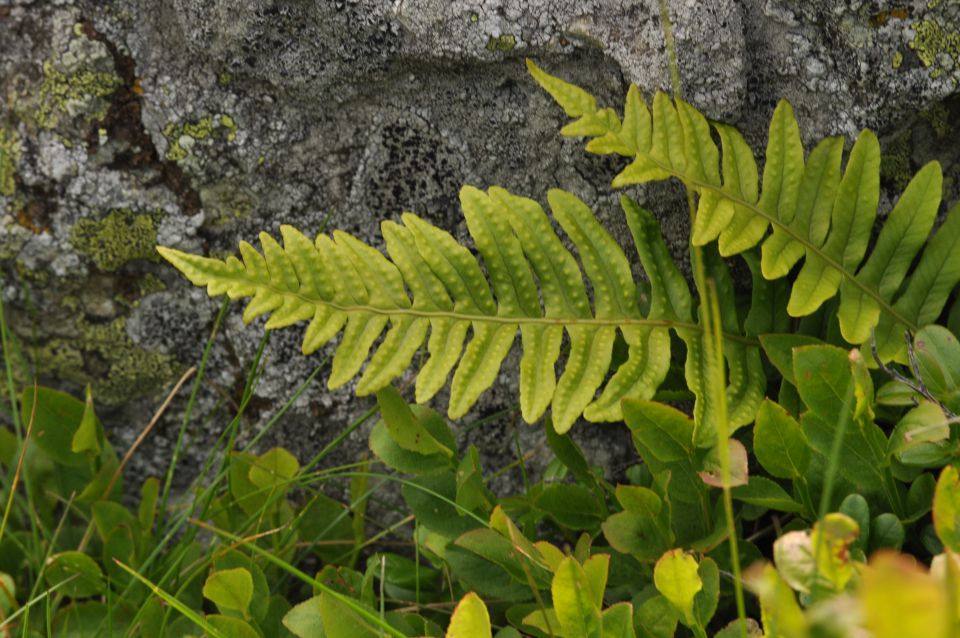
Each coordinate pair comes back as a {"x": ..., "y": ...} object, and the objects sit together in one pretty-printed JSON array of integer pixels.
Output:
[
  {"x": 432, "y": 284},
  {"x": 818, "y": 213}
]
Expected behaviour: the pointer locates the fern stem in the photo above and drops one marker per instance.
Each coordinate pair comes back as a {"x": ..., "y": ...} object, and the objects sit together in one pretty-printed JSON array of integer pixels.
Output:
[{"x": 518, "y": 321}]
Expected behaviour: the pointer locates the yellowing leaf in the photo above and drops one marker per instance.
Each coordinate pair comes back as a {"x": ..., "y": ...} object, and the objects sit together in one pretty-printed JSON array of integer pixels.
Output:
[
  {"x": 901, "y": 600},
  {"x": 578, "y": 613},
  {"x": 675, "y": 576},
  {"x": 470, "y": 619},
  {"x": 946, "y": 508},
  {"x": 230, "y": 590}
]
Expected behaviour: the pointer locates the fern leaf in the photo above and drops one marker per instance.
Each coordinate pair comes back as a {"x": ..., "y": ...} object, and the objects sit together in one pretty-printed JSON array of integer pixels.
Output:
[
  {"x": 428, "y": 287},
  {"x": 810, "y": 215},
  {"x": 853, "y": 215},
  {"x": 745, "y": 378},
  {"x": 925, "y": 294},
  {"x": 902, "y": 236},
  {"x": 821, "y": 218}
]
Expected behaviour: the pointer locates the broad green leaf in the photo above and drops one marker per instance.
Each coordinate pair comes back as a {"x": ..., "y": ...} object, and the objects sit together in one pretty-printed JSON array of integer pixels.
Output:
[
  {"x": 231, "y": 590},
  {"x": 779, "y": 443},
  {"x": 119, "y": 545},
  {"x": 472, "y": 493},
  {"x": 236, "y": 559},
  {"x": 857, "y": 508},
  {"x": 779, "y": 349},
  {"x": 470, "y": 619},
  {"x": 780, "y": 613},
  {"x": 578, "y": 614},
  {"x": 922, "y": 436},
  {"x": 938, "y": 360},
  {"x": 570, "y": 505},
  {"x": 147, "y": 508},
  {"x": 56, "y": 417},
  {"x": 946, "y": 508},
  {"x": 712, "y": 472},
  {"x": 920, "y": 496},
  {"x": 88, "y": 619},
  {"x": 899, "y": 600},
  {"x": 487, "y": 578},
  {"x": 274, "y": 469},
  {"x": 8, "y": 594},
  {"x": 617, "y": 621},
  {"x": 886, "y": 532},
  {"x": 404, "y": 428},
  {"x": 432, "y": 500},
  {"x": 303, "y": 620},
  {"x": 656, "y": 617},
  {"x": 641, "y": 500},
  {"x": 636, "y": 534},
  {"x": 397, "y": 458},
  {"x": 567, "y": 452},
  {"x": 823, "y": 380},
  {"x": 706, "y": 600},
  {"x": 76, "y": 574},
  {"x": 676, "y": 576},
  {"x": 88, "y": 434},
  {"x": 597, "y": 569},
  {"x": 493, "y": 547},
  {"x": 232, "y": 627},
  {"x": 664, "y": 438},
  {"x": 340, "y": 621},
  {"x": 763, "y": 492},
  {"x": 666, "y": 432}
]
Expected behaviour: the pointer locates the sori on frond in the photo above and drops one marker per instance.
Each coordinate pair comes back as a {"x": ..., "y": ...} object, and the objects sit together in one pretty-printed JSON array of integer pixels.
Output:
[
  {"x": 430, "y": 288},
  {"x": 820, "y": 212}
]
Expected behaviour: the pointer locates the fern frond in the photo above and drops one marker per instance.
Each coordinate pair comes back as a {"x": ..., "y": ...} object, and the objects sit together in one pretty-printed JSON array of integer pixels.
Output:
[
  {"x": 430, "y": 284},
  {"x": 821, "y": 213}
]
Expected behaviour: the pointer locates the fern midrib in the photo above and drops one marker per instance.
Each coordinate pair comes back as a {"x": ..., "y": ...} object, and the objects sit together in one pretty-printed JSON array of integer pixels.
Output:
[
  {"x": 500, "y": 319},
  {"x": 833, "y": 263}
]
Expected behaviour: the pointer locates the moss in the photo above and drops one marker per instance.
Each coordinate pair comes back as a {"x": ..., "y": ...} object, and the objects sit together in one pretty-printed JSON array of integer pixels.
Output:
[
  {"x": 897, "y": 60},
  {"x": 116, "y": 239},
  {"x": 896, "y": 167},
  {"x": 80, "y": 92},
  {"x": 149, "y": 284},
  {"x": 181, "y": 137},
  {"x": 505, "y": 42},
  {"x": 224, "y": 78},
  {"x": 104, "y": 356},
  {"x": 9, "y": 156},
  {"x": 939, "y": 119},
  {"x": 225, "y": 202},
  {"x": 931, "y": 41}
]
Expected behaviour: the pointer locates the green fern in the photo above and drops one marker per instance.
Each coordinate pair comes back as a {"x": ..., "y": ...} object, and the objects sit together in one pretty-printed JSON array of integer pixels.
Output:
[
  {"x": 819, "y": 214},
  {"x": 432, "y": 284}
]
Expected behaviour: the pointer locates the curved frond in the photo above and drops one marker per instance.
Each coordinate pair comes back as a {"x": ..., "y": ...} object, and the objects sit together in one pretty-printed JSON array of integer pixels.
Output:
[
  {"x": 428, "y": 287},
  {"x": 821, "y": 212}
]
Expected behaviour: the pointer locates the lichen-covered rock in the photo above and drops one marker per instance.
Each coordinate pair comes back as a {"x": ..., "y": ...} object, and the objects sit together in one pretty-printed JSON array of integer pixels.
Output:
[{"x": 194, "y": 124}]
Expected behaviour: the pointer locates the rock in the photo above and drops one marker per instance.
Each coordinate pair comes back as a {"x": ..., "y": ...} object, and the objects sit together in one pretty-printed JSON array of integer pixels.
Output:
[{"x": 195, "y": 124}]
